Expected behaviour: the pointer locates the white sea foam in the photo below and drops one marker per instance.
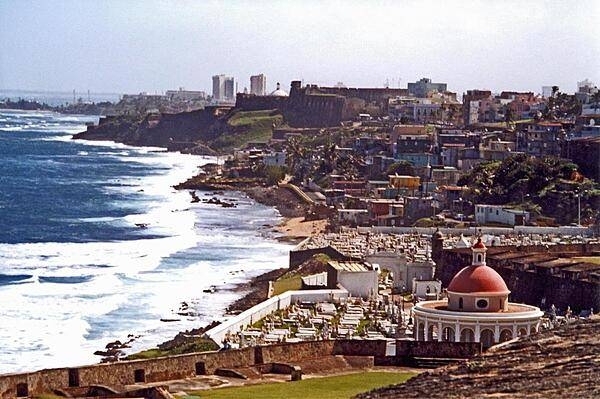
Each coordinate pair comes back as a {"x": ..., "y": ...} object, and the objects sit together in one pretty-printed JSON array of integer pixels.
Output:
[{"x": 125, "y": 287}]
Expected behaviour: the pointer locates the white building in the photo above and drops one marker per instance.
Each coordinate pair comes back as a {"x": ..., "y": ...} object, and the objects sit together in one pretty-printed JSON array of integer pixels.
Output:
[
  {"x": 277, "y": 158},
  {"x": 403, "y": 271},
  {"x": 358, "y": 278},
  {"x": 426, "y": 289},
  {"x": 223, "y": 88},
  {"x": 353, "y": 216},
  {"x": 258, "y": 85},
  {"x": 485, "y": 214},
  {"x": 477, "y": 309}
]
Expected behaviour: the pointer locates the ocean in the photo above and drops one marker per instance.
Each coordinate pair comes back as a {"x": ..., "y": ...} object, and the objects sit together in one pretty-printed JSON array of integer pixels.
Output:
[{"x": 95, "y": 244}]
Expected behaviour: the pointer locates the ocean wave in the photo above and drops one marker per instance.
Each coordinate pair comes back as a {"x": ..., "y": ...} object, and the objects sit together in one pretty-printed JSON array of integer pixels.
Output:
[
  {"x": 65, "y": 279},
  {"x": 81, "y": 295},
  {"x": 6, "y": 279}
]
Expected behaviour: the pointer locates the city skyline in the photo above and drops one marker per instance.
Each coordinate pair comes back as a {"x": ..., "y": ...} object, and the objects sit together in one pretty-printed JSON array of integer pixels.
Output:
[{"x": 156, "y": 46}]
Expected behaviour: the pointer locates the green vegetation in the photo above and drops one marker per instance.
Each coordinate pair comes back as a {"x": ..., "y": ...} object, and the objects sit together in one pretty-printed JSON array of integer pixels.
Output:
[
  {"x": 402, "y": 168},
  {"x": 547, "y": 185},
  {"x": 197, "y": 345},
  {"x": 335, "y": 387},
  {"x": 287, "y": 284},
  {"x": 272, "y": 174},
  {"x": 247, "y": 126}
]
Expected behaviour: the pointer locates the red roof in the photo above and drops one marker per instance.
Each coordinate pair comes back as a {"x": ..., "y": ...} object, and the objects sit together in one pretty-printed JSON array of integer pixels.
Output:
[
  {"x": 479, "y": 244},
  {"x": 473, "y": 279}
]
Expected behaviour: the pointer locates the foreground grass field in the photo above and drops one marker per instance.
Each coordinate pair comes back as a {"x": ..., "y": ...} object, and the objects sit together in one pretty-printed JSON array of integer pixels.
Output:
[{"x": 336, "y": 387}]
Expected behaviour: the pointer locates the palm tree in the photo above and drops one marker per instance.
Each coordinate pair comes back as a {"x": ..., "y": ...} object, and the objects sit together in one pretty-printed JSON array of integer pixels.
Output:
[{"x": 595, "y": 99}]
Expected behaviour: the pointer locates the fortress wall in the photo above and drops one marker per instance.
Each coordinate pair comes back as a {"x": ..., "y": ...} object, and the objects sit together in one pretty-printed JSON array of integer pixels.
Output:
[
  {"x": 352, "y": 347},
  {"x": 296, "y": 352},
  {"x": 450, "y": 350},
  {"x": 8, "y": 384},
  {"x": 378, "y": 95},
  {"x": 118, "y": 374},
  {"x": 250, "y": 102}
]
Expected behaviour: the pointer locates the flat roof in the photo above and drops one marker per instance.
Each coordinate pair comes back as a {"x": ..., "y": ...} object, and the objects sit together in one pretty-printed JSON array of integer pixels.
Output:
[
  {"x": 510, "y": 255},
  {"x": 535, "y": 258},
  {"x": 560, "y": 262},
  {"x": 582, "y": 267},
  {"x": 349, "y": 266}
]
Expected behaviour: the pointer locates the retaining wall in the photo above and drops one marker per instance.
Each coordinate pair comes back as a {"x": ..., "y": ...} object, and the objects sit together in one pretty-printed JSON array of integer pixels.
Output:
[
  {"x": 448, "y": 350},
  {"x": 116, "y": 375}
]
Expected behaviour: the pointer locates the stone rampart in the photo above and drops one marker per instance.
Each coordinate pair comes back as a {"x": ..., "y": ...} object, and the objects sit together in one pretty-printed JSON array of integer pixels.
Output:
[
  {"x": 353, "y": 347},
  {"x": 296, "y": 352},
  {"x": 284, "y": 356},
  {"x": 428, "y": 349}
]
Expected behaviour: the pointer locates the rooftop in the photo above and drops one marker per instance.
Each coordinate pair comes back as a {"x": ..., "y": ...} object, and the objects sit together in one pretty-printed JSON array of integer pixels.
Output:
[{"x": 349, "y": 266}]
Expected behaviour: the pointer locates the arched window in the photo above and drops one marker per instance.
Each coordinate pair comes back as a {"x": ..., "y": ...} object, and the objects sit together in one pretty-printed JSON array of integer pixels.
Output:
[
  {"x": 478, "y": 258},
  {"x": 460, "y": 303}
]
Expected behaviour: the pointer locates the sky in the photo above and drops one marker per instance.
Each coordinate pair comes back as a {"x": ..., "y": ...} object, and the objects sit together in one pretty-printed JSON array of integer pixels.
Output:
[{"x": 151, "y": 46}]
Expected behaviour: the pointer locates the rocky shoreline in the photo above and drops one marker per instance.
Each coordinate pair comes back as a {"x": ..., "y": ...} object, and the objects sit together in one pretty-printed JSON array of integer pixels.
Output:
[{"x": 253, "y": 291}]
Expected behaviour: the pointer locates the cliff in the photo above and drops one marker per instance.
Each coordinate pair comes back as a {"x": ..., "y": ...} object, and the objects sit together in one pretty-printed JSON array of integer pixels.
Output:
[{"x": 207, "y": 131}]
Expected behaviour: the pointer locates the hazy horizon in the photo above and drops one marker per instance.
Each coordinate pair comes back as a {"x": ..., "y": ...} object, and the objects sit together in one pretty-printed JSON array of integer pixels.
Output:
[{"x": 153, "y": 46}]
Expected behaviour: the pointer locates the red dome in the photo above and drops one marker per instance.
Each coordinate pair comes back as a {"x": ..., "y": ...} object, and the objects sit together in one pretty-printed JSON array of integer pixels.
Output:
[
  {"x": 478, "y": 279},
  {"x": 479, "y": 244}
]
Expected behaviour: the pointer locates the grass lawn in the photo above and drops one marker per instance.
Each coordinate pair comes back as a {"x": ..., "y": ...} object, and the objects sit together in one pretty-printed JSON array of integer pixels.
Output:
[
  {"x": 335, "y": 387},
  {"x": 249, "y": 126},
  {"x": 287, "y": 284}
]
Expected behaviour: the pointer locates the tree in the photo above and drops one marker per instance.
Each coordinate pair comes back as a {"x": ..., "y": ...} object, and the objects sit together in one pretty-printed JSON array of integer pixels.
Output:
[
  {"x": 595, "y": 99},
  {"x": 273, "y": 174},
  {"x": 508, "y": 115},
  {"x": 403, "y": 168}
]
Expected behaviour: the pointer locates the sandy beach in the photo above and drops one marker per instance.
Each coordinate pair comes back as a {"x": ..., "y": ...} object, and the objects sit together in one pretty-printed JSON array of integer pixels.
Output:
[{"x": 297, "y": 228}]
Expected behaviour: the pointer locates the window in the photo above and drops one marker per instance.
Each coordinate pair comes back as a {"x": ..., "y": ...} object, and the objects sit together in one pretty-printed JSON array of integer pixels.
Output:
[
  {"x": 481, "y": 303},
  {"x": 460, "y": 303},
  {"x": 139, "y": 375},
  {"x": 73, "y": 377},
  {"x": 22, "y": 390},
  {"x": 478, "y": 257},
  {"x": 200, "y": 368}
]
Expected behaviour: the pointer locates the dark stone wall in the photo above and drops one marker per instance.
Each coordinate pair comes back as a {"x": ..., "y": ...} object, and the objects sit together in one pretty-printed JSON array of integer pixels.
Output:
[
  {"x": 282, "y": 357},
  {"x": 445, "y": 350},
  {"x": 251, "y": 102},
  {"x": 378, "y": 95},
  {"x": 352, "y": 347},
  {"x": 300, "y": 109}
]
